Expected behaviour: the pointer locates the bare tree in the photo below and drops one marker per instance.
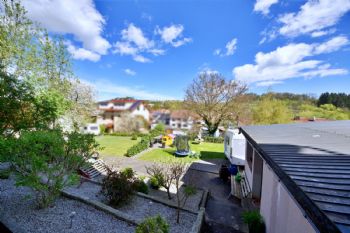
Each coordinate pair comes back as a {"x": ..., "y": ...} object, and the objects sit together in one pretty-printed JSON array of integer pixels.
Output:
[
  {"x": 213, "y": 97},
  {"x": 164, "y": 175},
  {"x": 178, "y": 169}
]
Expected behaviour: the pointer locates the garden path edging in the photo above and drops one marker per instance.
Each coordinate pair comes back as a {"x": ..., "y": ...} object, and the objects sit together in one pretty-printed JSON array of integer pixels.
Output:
[{"x": 199, "y": 221}]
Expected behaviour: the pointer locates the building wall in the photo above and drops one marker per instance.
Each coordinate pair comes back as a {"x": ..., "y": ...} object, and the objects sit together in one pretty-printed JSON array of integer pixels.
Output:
[
  {"x": 280, "y": 211},
  {"x": 141, "y": 111}
]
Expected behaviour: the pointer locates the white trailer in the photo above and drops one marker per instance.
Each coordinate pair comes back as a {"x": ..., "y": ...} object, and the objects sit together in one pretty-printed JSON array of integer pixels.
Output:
[
  {"x": 235, "y": 146},
  {"x": 91, "y": 129}
]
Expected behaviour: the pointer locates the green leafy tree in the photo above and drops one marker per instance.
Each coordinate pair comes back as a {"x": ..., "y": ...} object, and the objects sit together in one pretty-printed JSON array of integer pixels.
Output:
[
  {"x": 271, "y": 111},
  {"x": 28, "y": 53},
  {"x": 47, "y": 160}
]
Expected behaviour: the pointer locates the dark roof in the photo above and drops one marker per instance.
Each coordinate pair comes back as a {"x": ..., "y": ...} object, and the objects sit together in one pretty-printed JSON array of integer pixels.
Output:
[{"x": 313, "y": 161}]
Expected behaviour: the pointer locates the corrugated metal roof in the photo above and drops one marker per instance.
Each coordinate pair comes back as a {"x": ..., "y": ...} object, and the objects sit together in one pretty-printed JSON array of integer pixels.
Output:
[{"x": 313, "y": 161}]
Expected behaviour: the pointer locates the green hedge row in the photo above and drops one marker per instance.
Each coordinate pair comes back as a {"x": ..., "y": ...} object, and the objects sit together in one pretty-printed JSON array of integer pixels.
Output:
[
  {"x": 214, "y": 139},
  {"x": 139, "y": 147},
  {"x": 126, "y": 134}
]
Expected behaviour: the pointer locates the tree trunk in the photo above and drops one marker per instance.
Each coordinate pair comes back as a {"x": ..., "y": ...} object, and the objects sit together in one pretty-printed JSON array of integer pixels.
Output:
[{"x": 168, "y": 192}]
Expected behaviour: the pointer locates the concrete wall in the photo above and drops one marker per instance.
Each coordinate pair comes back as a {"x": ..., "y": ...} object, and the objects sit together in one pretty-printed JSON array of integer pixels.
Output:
[{"x": 280, "y": 211}]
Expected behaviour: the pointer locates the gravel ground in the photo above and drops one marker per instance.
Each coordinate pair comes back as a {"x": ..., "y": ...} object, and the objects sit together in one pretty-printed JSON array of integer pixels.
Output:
[
  {"x": 17, "y": 206},
  {"x": 141, "y": 207}
]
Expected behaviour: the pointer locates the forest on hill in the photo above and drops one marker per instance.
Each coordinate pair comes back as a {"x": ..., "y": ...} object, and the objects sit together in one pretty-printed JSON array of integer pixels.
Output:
[{"x": 274, "y": 107}]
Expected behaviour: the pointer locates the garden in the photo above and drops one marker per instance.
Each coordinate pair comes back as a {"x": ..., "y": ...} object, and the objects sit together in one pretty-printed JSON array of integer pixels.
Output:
[
  {"x": 204, "y": 150},
  {"x": 115, "y": 145}
]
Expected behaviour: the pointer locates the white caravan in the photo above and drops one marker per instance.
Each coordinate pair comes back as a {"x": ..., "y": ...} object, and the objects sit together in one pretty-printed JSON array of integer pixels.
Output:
[
  {"x": 91, "y": 129},
  {"x": 235, "y": 146}
]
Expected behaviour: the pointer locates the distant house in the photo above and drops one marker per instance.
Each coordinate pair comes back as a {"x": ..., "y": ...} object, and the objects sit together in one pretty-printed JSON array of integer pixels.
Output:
[
  {"x": 298, "y": 175},
  {"x": 174, "y": 120},
  {"x": 110, "y": 112}
]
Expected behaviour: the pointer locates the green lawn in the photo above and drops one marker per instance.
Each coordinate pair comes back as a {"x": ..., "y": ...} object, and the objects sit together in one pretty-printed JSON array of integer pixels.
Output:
[
  {"x": 115, "y": 145},
  {"x": 206, "y": 149}
]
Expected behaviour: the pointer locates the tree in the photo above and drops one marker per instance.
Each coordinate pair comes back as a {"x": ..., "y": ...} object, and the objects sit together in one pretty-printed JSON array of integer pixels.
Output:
[
  {"x": 271, "y": 111},
  {"x": 21, "y": 109},
  {"x": 163, "y": 174},
  {"x": 213, "y": 98},
  {"x": 178, "y": 169},
  {"x": 28, "y": 53},
  {"x": 47, "y": 160}
]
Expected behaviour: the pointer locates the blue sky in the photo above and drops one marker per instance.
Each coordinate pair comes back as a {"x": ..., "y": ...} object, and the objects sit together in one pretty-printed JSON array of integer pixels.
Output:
[{"x": 153, "y": 49}]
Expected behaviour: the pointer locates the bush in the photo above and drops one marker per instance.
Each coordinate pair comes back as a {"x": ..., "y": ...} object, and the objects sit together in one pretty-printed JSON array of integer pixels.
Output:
[
  {"x": 134, "y": 137},
  {"x": 127, "y": 134},
  {"x": 117, "y": 187},
  {"x": 5, "y": 174},
  {"x": 255, "y": 221},
  {"x": 140, "y": 186},
  {"x": 139, "y": 147},
  {"x": 128, "y": 172},
  {"x": 47, "y": 161},
  {"x": 102, "y": 129},
  {"x": 159, "y": 129},
  {"x": 154, "y": 182},
  {"x": 214, "y": 139},
  {"x": 153, "y": 225}
]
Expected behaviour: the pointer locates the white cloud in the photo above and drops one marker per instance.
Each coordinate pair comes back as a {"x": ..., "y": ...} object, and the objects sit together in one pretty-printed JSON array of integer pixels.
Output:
[
  {"x": 290, "y": 61},
  {"x": 323, "y": 32},
  {"x": 142, "y": 59},
  {"x": 81, "y": 53},
  {"x": 268, "y": 83},
  {"x": 231, "y": 47},
  {"x": 264, "y": 5},
  {"x": 332, "y": 45},
  {"x": 133, "y": 34},
  {"x": 135, "y": 43},
  {"x": 173, "y": 35},
  {"x": 313, "y": 17},
  {"x": 79, "y": 18},
  {"x": 108, "y": 90},
  {"x": 130, "y": 72}
]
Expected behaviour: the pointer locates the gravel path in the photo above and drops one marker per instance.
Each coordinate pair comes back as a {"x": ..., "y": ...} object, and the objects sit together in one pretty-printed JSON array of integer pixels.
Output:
[
  {"x": 141, "y": 207},
  {"x": 19, "y": 208}
]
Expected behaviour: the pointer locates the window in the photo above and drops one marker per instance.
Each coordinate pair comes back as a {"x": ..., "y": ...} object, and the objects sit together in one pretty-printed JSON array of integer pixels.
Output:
[
  {"x": 118, "y": 104},
  {"x": 93, "y": 128},
  {"x": 111, "y": 117}
]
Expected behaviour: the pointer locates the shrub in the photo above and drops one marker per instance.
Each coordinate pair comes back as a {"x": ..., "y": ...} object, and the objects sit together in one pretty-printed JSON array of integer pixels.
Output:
[
  {"x": 153, "y": 225},
  {"x": 255, "y": 221},
  {"x": 117, "y": 187},
  {"x": 140, "y": 186},
  {"x": 154, "y": 182},
  {"x": 134, "y": 137},
  {"x": 128, "y": 172},
  {"x": 139, "y": 147},
  {"x": 47, "y": 161},
  {"x": 127, "y": 134},
  {"x": 159, "y": 129},
  {"x": 214, "y": 139},
  {"x": 5, "y": 174},
  {"x": 102, "y": 129}
]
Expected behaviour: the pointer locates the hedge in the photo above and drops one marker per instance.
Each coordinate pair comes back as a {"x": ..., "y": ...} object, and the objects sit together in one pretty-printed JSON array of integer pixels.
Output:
[
  {"x": 214, "y": 139},
  {"x": 139, "y": 147},
  {"x": 126, "y": 134}
]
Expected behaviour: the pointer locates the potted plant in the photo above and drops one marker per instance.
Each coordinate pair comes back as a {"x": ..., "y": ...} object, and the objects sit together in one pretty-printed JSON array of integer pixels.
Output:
[{"x": 255, "y": 221}]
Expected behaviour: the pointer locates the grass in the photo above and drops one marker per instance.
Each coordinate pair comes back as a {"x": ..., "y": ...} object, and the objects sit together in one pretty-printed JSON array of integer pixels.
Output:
[
  {"x": 115, "y": 145},
  {"x": 206, "y": 149}
]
